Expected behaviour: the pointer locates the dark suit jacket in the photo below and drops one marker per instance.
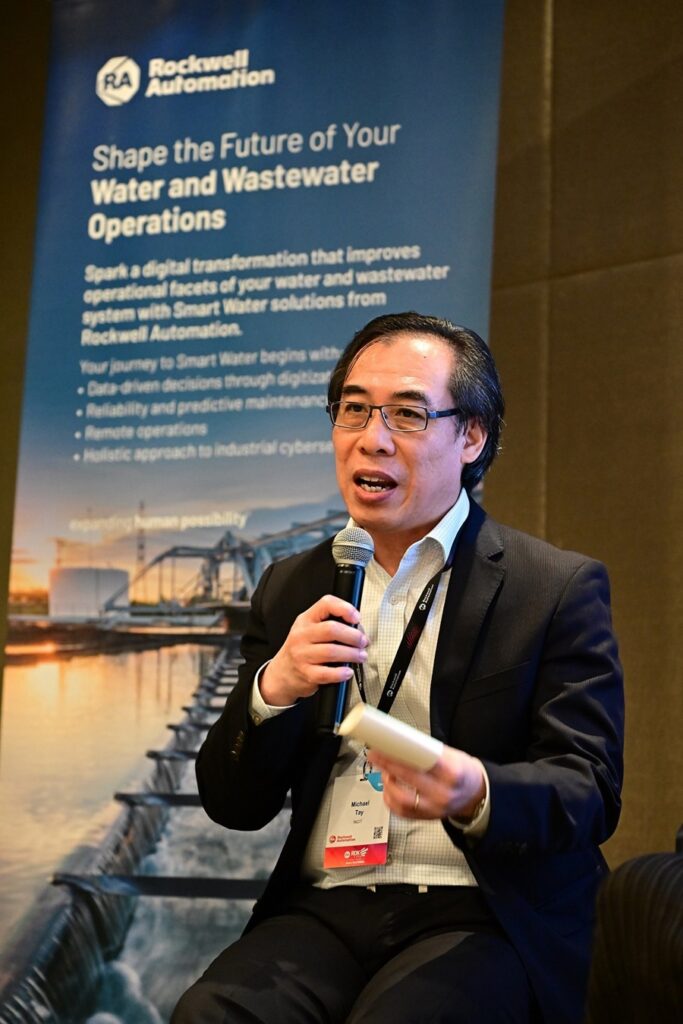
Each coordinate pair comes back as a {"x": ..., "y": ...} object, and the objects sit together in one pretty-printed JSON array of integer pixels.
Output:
[{"x": 527, "y": 678}]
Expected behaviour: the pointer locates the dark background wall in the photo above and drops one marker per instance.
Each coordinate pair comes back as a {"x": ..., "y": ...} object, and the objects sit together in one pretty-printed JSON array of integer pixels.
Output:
[
  {"x": 587, "y": 318},
  {"x": 586, "y": 326},
  {"x": 24, "y": 45}
]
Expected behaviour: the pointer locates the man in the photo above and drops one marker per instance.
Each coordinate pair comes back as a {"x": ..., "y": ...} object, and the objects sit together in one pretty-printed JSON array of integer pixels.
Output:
[{"x": 479, "y": 906}]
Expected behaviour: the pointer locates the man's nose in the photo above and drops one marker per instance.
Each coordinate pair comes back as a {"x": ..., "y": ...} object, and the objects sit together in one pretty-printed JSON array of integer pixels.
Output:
[{"x": 375, "y": 435}]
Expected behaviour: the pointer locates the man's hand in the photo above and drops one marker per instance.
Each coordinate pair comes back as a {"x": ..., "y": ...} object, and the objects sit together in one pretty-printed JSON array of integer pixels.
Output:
[
  {"x": 314, "y": 652},
  {"x": 453, "y": 788}
]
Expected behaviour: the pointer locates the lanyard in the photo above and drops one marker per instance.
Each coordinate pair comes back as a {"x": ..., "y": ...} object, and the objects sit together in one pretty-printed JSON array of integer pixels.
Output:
[{"x": 410, "y": 640}]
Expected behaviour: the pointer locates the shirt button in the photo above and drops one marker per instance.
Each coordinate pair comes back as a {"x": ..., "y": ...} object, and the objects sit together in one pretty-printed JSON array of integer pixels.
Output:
[{"x": 389, "y": 858}]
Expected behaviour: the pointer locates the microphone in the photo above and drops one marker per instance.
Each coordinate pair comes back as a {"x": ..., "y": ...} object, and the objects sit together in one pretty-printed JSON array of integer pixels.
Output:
[{"x": 352, "y": 549}]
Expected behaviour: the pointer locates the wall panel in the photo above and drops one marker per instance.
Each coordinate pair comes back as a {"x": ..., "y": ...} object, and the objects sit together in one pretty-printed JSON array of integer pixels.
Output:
[{"x": 605, "y": 365}]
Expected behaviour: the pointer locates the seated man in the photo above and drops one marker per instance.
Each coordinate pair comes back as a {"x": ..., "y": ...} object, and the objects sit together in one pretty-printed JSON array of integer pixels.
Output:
[{"x": 478, "y": 904}]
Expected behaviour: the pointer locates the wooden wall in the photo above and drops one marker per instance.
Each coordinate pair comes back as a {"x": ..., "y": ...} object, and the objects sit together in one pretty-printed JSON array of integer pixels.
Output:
[{"x": 587, "y": 323}]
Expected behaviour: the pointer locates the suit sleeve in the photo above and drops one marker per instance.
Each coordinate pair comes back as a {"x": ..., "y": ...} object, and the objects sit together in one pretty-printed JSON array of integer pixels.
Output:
[
  {"x": 244, "y": 771},
  {"x": 565, "y": 794}
]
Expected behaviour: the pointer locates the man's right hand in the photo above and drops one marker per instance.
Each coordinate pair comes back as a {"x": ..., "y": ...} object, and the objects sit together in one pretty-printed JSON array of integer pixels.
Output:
[{"x": 315, "y": 652}]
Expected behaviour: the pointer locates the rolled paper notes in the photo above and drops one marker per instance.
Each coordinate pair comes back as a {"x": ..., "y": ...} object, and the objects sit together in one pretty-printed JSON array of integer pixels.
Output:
[{"x": 379, "y": 731}]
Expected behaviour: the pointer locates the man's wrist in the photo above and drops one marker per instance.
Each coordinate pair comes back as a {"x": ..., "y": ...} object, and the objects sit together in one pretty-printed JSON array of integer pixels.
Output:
[
  {"x": 471, "y": 814},
  {"x": 259, "y": 708},
  {"x": 474, "y": 819},
  {"x": 272, "y": 694}
]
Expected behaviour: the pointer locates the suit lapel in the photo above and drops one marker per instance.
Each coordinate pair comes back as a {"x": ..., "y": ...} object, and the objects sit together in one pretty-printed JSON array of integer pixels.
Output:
[{"x": 475, "y": 579}]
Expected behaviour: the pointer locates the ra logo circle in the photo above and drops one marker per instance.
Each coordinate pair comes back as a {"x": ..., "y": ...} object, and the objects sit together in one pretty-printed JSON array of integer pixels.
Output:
[{"x": 117, "y": 81}]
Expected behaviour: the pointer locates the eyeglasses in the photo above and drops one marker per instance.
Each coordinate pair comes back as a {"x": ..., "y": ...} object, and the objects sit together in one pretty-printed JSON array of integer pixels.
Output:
[{"x": 403, "y": 418}]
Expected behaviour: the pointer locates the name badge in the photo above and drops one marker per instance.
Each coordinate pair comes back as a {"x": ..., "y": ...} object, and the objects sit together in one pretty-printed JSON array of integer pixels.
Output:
[{"x": 358, "y": 827}]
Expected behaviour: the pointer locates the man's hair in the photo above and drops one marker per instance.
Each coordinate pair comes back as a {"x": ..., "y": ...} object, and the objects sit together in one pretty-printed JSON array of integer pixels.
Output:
[{"x": 474, "y": 382}]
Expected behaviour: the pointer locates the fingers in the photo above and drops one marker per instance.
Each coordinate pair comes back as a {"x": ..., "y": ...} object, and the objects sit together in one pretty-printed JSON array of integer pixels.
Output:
[
  {"x": 319, "y": 648},
  {"x": 421, "y": 796},
  {"x": 330, "y": 606},
  {"x": 451, "y": 787},
  {"x": 407, "y": 801}
]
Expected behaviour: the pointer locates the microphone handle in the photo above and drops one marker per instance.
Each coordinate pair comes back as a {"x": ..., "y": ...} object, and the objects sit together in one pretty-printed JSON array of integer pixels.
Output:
[{"x": 348, "y": 584}]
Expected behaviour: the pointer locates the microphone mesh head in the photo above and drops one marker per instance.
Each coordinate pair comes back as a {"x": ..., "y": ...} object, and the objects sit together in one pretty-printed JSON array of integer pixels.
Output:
[{"x": 353, "y": 546}]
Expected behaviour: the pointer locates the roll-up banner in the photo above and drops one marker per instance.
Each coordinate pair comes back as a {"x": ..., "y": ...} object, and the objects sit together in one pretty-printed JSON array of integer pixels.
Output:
[{"x": 229, "y": 191}]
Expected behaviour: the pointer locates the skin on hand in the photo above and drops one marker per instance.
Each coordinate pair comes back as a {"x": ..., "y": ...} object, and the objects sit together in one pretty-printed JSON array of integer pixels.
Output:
[
  {"x": 453, "y": 788},
  {"x": 315, "y": 652}
]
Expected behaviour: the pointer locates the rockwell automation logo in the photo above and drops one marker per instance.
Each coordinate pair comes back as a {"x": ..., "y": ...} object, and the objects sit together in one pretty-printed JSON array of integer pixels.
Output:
[{"x": 117, "y": 81}]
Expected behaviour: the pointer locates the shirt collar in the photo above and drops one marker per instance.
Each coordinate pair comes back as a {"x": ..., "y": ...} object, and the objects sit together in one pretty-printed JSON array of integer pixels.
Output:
[{"x": 446, "y": 530}]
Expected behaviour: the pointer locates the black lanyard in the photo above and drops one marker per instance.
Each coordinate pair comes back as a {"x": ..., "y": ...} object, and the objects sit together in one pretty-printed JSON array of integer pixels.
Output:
[{"x": 410, "y": 640}]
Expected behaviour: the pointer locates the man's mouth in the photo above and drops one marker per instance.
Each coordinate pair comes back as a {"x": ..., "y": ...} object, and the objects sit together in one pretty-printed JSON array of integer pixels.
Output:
[{"x": 374, "y": 483}]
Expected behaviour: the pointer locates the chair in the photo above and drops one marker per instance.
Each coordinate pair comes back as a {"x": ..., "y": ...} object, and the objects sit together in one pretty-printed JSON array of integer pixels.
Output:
[{"x": 637, "y": 967}]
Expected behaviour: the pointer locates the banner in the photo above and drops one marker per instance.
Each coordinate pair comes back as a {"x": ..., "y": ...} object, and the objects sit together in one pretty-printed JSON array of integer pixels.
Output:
[{"x": 229, "y": 191}]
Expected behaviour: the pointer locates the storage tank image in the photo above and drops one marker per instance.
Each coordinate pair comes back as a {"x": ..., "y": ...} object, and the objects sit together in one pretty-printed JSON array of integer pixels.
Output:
[{"x": 81, "y": 593}]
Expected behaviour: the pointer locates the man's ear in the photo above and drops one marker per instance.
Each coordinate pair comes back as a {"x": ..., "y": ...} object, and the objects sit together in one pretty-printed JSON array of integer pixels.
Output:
[{"x": 474, "y": 441}]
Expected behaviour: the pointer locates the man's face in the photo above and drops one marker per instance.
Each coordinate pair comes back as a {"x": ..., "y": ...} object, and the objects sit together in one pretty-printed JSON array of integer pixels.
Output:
[{"x": 395, "y": 483}]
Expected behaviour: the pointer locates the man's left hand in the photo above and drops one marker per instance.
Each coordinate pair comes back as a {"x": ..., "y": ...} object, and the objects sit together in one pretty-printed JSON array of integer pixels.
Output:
[{"x": 453, "y": 788}]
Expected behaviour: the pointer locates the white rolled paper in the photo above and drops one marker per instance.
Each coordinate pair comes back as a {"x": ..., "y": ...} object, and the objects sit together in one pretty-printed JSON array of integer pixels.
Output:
[{"x": 379, "y": 731}]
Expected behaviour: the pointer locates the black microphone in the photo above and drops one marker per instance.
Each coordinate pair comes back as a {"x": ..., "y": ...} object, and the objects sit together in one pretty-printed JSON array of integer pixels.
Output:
[{"x": 352, "y": 549}]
